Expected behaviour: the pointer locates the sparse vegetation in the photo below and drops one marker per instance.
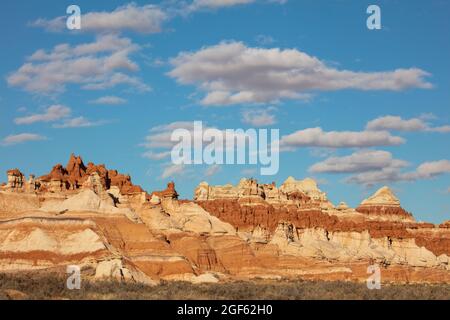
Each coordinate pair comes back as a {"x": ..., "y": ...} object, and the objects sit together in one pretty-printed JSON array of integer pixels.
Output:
[{"x": 41, "y": 287}]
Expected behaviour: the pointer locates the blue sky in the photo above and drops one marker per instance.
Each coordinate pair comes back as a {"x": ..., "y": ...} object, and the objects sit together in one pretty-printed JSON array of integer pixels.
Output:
[{"x": 346, "y": 77}]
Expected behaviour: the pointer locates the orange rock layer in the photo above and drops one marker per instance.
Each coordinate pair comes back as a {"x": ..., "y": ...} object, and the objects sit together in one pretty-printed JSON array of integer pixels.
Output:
[
  {"x": 75, "y": 174},
  {"x": 384, "y": 210},
  {"x": 245, "y": 217},
  {"x": 134, "y": 233}
]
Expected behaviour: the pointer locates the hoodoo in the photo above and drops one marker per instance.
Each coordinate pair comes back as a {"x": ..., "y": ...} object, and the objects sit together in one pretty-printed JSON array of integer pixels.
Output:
[{"x": 385, "y": 204}]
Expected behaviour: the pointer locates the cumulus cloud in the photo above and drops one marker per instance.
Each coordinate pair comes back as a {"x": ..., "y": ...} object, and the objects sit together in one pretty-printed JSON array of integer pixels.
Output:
[
  {"x": 215, "y": 4},
  {"x": 431, "y": 169},
  {"x": 101, "y": 64},
  {"x": 159, "y": 136},
  {"x": 258, "y": 117},
  {"x": 197, "y": 5},
  {"x": 232, "y": 73},
  {"x": 21, "y": 138},
  {"x": 426, "y": 170},
  {"x": 79, "y": 122},
  {"x": 146, "y": 19},
  {"x": 173, "y": 170},
  {"x": 360, "y": 161},
  {"x": 51, "y": 114},
  {"x": 56, "y": 113},
  {"x": 110, "y": 100},
  {"x": 185, "y": 8},
  {"x": 316, "y": 137},
  {"x": 442, "y": 129},
  {"x": 156, "y": 155},
  {"x": 399, "y": 124},
  {"x": 159, "y": 143},
  {"x": 370, "y": 178}
]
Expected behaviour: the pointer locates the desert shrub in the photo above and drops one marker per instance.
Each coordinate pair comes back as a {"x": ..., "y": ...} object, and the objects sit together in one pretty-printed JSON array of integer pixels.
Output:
[{"x": 53, "y": 286}]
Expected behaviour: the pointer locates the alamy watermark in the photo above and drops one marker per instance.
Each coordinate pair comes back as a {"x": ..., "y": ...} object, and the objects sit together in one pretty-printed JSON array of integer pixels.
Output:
[
  {"x": 73, "y": 22},
  {"x": 74, "y": 280},
  {"x": 374, "y": 280},
  {"x": 231, "y": 146},
  {"x": 374, "y": 20}
]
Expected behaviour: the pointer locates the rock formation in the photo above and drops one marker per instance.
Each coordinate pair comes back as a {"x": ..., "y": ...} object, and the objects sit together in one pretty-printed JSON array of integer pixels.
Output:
[
  {"x": 15, "y": 180},
  {"x": 74, "y": 175},
  {"x": 291, "y": 192},
  {"x": 302, "y": 222},
  {"x": 96, "y": 218},
  {"x": 385, "y": 204},
  {"x": 169, "y": 193}
]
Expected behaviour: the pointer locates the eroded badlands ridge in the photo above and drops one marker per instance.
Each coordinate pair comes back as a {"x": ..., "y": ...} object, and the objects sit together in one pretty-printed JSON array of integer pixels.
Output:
[{"x": 96, "y": 218}]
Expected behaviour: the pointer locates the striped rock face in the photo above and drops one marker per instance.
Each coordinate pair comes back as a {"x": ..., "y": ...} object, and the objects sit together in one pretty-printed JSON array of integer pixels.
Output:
[
  {"x": 384, "y": 204},
  {"x": 229, "y": 232}
]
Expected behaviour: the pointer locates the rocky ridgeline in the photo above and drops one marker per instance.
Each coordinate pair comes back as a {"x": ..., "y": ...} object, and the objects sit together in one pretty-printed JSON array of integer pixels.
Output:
[
  {"x": 96, "y": 218},
  {"x": 71, "y": 177},
  {"x": 300, "y": 219},
  {"x": 250, "y": 204},
  {"x": 250, "y": 192},
  {"x": 383, "y": 203}
]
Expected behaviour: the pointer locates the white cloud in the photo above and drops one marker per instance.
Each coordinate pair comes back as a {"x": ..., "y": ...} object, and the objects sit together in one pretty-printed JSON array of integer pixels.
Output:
[
  {"x": 232, "y": 73},
  {"x": 110, "y": 100},
  {"x": 103, "y": 44},
  {"x": 360, "y": 161},
  {"x": 146, "y": 19},
  {"x": 159, "y": 144},
  {"x": 400, "y": 124},
  {"x": 427, "y": 116},
  {"x": 21, "y": 138},
  {"x": 96, "y": 65},
  {"x": 53, "y": 25},
  {"x": 156, "y": 155},
  {"x": 215, "y": 4},
  {"x": 173, "y": 126},
  {"x": 426, "y": 170},
  {"x": 258, "y": 117},
  {"x": 51, "y": 114},
  {"x": 159, "y": 136},
  {"x": 212, "y": 170},
  {"x": 316, "y": 137},
  {"x": 79, "y": 122},
  {"x": 431, "y": 169},
  {"x": 55, "y": 113},
  {"x": 442, "y": 129},
  {"x": 370, "y": 178},
  {"x": 197, "y": 5},
  {"x": 172, "y": 170}
]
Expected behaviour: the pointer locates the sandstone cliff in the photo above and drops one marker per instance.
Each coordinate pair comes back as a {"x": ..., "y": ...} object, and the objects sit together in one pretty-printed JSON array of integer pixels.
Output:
[
  {"x": 384, "y": 204},
  {"x": 302, "y": 222},
  {"x": 96, "y": 218}
]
